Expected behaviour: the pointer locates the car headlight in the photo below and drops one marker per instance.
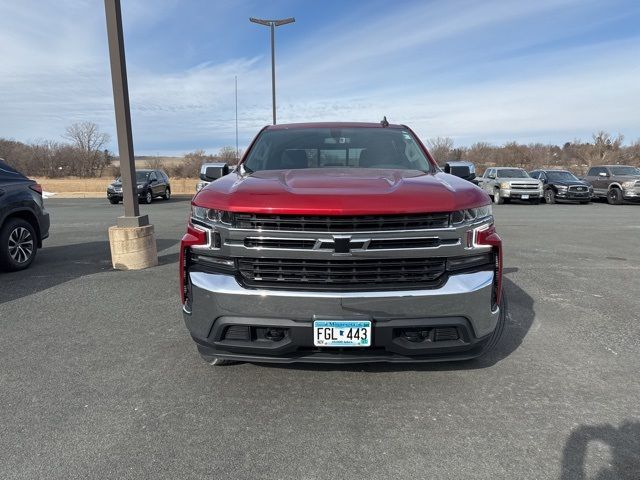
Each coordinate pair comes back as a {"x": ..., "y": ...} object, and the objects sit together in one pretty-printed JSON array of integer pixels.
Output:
[
  {"x": 470, "y": 215},
  {"x": 140, "y": 186},
  {"x": 562, "y": 187},
  {"x": 630, "y": 184},
  {"x": 210, "y": 216},
  {"x": 505, "y": 185}
]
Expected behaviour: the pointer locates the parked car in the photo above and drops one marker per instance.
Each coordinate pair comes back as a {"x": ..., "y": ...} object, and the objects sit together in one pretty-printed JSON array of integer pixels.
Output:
[
  {"x": 340, "y": 243},
  {"x": 616, "y": 183},
  {"x": 203, "y": 177},
  {"x": 151, "y": 184},
  {"x": 24, "y": 222},
  {"x": 562, "y": 185},
  {"x": 504, "y": 184}
]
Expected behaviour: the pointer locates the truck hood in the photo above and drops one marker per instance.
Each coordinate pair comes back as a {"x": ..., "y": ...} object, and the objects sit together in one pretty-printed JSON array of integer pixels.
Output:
[{"x": 340, "y": 191}]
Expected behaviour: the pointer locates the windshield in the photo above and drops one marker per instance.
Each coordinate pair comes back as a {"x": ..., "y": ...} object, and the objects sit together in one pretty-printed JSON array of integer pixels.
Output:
[
  {"x": 336, "y": 148},
  {"x": 512, "y": 173},
  {"x": 141, "y": 177},
  {"x": 561, "y": 176},
  {"x": 625, "y": 171}
]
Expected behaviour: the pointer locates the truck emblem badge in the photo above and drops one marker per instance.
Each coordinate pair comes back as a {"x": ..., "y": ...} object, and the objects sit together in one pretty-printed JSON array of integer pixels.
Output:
[{"x": 342, "y": 244}]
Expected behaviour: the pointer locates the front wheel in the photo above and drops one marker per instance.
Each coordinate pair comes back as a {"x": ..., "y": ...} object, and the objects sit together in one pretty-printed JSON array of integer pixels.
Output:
[
  {"x": 114, "y": 201},
  {"x": 614, "y": 196},
  {"x": 497, "y": 199},
  {"x": 549, "y": 196},
  {"x": 148, "y": 198},
  {"x": 167, "y": 194},
  {"x": 18, "y": 245}
]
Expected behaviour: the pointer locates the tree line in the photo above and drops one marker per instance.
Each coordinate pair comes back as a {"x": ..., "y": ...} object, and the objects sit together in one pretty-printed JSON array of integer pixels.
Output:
[
  {"x": 83, "y": 153},
  {"x": 576, "y": 156}
]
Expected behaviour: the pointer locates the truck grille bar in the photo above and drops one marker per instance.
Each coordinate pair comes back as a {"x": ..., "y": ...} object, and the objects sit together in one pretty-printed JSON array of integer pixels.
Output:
[
  {"x": 332, "y": 274},
  {"x": 305, "y": 223}
]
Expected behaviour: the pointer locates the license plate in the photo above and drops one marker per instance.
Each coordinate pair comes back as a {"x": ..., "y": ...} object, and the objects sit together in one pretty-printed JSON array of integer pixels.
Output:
[
  {"x": 342, "y": 333},
  {"x": 525, "y": 197}
]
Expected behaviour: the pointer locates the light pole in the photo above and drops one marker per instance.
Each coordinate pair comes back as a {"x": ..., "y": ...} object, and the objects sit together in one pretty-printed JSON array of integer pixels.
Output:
[{"x": 273, "y": 24}]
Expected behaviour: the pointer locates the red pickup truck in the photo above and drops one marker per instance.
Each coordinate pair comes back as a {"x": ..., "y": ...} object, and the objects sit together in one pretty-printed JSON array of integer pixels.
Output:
[{"x": 340, "y": 243}]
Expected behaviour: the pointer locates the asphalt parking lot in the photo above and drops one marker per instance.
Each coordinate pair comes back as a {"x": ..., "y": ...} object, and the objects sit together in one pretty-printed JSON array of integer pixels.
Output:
[{"x": 99, "y": 378}]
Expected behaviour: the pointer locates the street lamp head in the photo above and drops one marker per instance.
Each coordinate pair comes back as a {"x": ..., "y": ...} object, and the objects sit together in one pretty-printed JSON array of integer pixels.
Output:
[
  {"x": 284, "y": 21},
  {"x": 260, "y": 21},
  {"x": 269, "y": 23}
]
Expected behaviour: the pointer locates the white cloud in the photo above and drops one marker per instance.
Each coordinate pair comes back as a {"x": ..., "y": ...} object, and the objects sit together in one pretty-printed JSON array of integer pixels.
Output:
[{"x": 444, "y": 69}]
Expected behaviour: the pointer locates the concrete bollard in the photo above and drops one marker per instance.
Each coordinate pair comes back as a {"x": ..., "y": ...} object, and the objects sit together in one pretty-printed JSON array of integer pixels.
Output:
[{"x": 133, "y": 248}]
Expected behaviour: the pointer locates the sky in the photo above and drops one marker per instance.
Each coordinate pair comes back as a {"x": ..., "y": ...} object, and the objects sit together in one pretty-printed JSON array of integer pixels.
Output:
[{"x": 478, "y": 71}]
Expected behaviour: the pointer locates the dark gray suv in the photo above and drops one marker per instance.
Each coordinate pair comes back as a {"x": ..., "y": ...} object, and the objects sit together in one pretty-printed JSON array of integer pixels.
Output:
[
  {"x": 24, "y": 222},
  {"x": 150, "y": 184}
]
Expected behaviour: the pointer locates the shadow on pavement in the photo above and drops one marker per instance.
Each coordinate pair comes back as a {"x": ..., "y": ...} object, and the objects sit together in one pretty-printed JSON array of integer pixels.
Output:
[
  {"x": 623, "y": 443},
  {"x": 519, "y": 318},
  {"x": 56, "y": 265}
]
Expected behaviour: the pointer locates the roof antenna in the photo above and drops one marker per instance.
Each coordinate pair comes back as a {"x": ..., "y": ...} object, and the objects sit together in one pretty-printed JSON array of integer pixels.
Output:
[{"x": 384, "y": 122}]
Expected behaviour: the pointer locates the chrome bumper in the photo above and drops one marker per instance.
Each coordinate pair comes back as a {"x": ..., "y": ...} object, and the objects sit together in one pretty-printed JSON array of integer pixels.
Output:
[
  {"x": 509, "y": 193},
  {"x": 216, "y": 295}
]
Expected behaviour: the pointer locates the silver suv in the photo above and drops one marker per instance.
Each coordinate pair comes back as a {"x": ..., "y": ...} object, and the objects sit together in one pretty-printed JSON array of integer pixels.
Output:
[{"x": 506, "y": 183}]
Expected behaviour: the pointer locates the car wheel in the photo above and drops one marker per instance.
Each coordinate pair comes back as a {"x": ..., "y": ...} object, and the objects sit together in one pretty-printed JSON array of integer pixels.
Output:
[
  {"x": 148, "y": 197},
  {"x": 614, "y": 196},
  {"x": 18, "y": 245},
  {"x": 167, "y": 194},
  {"x": 549, "y": 196},
  {"x": 114, "y": 201},
  {"x": 497, "y": 199}
]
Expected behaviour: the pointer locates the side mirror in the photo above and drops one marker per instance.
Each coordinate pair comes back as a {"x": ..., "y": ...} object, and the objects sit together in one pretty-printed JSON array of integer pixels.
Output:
[
  {"x": 603, "y": 174},
  {"x": 466, "y": 170},
  {"x": 213, "y": 171}
]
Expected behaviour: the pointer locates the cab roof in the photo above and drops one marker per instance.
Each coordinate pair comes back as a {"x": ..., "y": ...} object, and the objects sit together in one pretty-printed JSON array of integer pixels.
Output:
[{"x": 288, "y": 126}]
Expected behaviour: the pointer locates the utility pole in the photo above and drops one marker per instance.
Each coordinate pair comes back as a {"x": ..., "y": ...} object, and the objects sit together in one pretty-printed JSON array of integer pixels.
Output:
[
  {"x": 237, "y": 151},
  {"x": 133, "y": 244},
  {"x": 273, "y": 24}
]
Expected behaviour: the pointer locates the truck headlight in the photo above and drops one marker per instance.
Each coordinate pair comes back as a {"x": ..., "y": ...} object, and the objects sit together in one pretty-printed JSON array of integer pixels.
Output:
[
  {"x": 505, "y": 185},
  {"x": 470, "y": 215},
  {"x": 630, "y": 184},
  {"x": 210, "y": 216}
]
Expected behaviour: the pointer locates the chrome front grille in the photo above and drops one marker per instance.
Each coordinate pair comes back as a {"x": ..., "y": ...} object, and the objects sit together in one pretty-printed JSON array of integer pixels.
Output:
[
  {"x": 524, "y": 186},
  {"x": 364, "y": 223}
]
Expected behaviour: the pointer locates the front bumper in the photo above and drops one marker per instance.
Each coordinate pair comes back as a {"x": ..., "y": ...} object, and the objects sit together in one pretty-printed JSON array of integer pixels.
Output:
[
  {"x": 519, "y": 193},
  {"x": 631, "y": 193},
  {"x": 218, "y": 302},
  {"x": 574, "y": 196}
]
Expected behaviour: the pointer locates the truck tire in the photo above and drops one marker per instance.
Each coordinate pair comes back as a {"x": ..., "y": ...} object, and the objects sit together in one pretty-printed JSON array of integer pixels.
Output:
[
  {"x": 549, "y": 196},
  {"x": 18, "y": 245},
  {"x": 497, "y": 199},
  {"x": 497, "y": 333},
  {"x": 614, "y": 196}
]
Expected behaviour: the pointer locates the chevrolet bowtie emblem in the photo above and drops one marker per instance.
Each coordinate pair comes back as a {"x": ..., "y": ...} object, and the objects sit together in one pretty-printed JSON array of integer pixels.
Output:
[{"x": 342, "y": 244}]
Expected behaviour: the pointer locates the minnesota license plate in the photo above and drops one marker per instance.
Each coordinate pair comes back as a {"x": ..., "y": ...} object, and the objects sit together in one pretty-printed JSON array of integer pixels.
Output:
[
  {"x": 342, "y": 333},
  {"x": 525, "y": 197}
]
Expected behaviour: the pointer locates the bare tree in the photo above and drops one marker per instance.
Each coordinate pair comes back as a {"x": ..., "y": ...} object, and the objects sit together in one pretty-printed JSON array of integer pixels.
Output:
[
  {"x": 227, "y": 155},
  {"x": 441, "y": 148},
  {"x": 90, "y": 143},
  {"x": 155, "y": 163}
]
